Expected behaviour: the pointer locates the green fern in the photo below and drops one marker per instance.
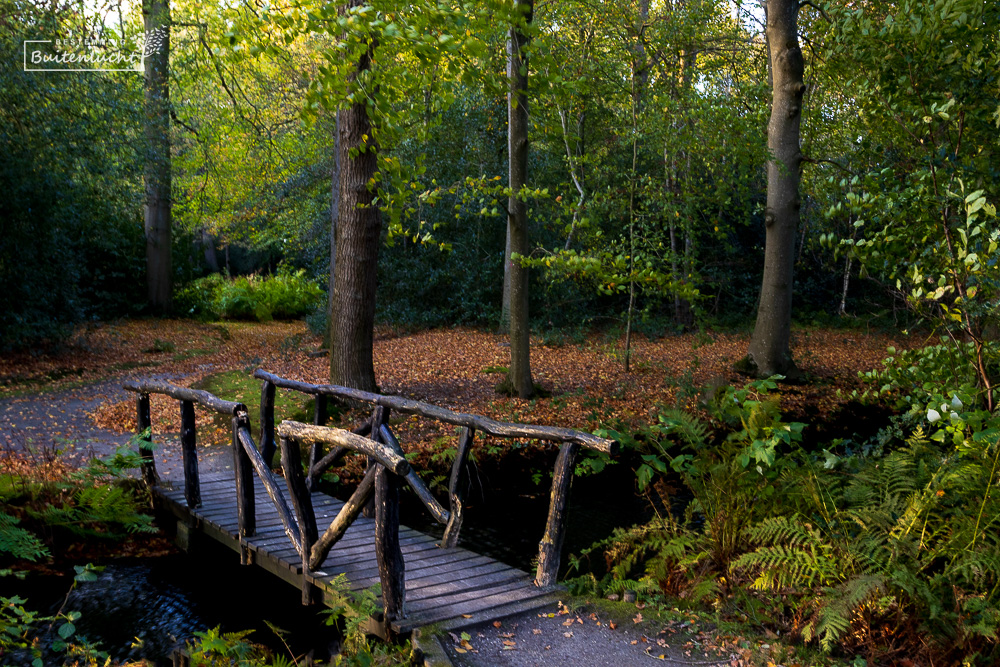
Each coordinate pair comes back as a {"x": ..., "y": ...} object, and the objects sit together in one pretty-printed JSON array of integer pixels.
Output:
[
  {"x": 97, "y": 508},
  {"x": 18, "y": 542}
]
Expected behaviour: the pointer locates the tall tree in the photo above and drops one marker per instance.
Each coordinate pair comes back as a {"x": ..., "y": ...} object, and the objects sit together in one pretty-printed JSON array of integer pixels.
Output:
[
  {"x": 517, "y": 213},
  {"x": 156, "y": 15},
  {"x": 769, "y": 351},
  {"x": 359, "y": 225}
]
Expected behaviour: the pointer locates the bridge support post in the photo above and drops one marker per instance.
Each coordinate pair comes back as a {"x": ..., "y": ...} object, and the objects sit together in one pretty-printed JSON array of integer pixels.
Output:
[
  {"x": 267, "y": 445},
  {"x": 457, "y": 488},
  {"x": 144, "y": 421},
  {"x": 192, "y": 485},
  {"x": 391, "y": 567},
  {"x": 379, "y": 416},
  {"x": 550, "y": 548},
  {"x": 246, "y": 508},
  {"x": 291, "y": 463}
]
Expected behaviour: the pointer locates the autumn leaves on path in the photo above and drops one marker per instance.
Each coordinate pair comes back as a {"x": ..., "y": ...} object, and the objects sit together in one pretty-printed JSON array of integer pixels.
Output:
[{"x": 454, "y": 368}]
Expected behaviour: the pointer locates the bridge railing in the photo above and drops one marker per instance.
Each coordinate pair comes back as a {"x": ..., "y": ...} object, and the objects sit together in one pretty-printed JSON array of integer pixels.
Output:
[
  {"x": 187, "y": 398},
  {"x": 570, "y": 441},
  {"x": 246, "y": 458}
]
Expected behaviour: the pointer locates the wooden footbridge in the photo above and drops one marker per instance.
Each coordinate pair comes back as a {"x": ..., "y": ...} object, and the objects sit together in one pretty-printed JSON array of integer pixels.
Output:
[{"x": 272, "y": 520}]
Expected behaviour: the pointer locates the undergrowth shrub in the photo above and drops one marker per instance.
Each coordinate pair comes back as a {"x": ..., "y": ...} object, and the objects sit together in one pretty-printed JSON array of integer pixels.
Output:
[
  {"x": 42, "y": 498},
  {"x": 886, "y": 556},
  {"x": 284, "y": 295}
]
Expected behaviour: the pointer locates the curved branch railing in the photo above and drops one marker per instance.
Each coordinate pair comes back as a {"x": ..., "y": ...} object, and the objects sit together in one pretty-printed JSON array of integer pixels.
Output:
[{"x": 571, "y": 440}]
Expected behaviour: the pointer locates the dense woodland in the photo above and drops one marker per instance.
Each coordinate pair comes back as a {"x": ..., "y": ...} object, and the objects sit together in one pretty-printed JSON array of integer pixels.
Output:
[{"x": 643, "y": 169}]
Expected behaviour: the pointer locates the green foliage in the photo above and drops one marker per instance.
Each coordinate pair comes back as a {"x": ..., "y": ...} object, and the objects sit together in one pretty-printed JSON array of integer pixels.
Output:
[
  {"x": 98, "y": 510},
  {"x": 71, "y": 177},
  {"x": 21, "y": 629},
  {"x": 285, "y": 295},
  {"x": 18, "y": 542},
  {"x": 214, "y": 647}
]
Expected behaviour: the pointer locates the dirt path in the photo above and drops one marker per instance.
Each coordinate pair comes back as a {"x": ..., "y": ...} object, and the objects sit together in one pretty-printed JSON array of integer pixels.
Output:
[
  {"x": 58, "y": 423},
  {"x": 558, "y": 636}
]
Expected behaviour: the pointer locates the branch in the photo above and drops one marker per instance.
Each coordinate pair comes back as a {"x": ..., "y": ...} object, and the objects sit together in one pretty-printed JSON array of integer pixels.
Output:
[
  {"x": 173, "y": 116},
  {"x": 817, "y": 8},
  {"x": 826, "y": 161}
]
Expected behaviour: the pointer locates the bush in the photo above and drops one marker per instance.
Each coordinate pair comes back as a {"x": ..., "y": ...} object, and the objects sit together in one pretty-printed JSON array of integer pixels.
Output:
[
  {"x": 883, "y": 555},
  {"x": 282, "y": 296}
]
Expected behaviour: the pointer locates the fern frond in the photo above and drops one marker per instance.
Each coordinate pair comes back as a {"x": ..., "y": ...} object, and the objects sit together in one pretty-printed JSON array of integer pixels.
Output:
[{"x": 18, "y": 542}]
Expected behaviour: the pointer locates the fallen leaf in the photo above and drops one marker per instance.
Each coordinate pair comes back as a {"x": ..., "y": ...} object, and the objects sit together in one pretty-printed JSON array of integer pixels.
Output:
[
  {"x": 466, "y": 615},
  {"x": 536, "y": 631},
  {"x": 613, "y": 625},
  {"x": 497, "y": 624},
  {"x": 568, "y": 634},
  {"x": 637, "y": 619},
  {"x": 508, "y": 642}
]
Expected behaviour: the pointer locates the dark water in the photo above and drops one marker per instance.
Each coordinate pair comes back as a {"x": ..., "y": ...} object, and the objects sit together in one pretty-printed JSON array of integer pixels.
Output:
[
  {"x": 506, "y": 510},
  {"x": 146, "y": 609}
]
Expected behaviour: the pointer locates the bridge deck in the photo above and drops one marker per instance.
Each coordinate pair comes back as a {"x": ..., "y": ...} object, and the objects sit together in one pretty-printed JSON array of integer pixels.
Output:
[{"x": 450, "y": 587}]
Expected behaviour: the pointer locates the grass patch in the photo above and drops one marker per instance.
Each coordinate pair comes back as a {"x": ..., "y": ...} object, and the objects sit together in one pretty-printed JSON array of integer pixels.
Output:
[
  {"x": 191, "y": 354},
  {"x": 243, "y": 388}
]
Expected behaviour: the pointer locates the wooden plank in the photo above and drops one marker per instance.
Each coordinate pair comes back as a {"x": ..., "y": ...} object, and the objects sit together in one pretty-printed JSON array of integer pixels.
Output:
[
  {"x": 433, "y": 610},
  {"x": 492, "y": 614},
  {"x": 442, "y": 585},
  {"x": 423, "y": 567},
  {"x": 466, "y": 577}
]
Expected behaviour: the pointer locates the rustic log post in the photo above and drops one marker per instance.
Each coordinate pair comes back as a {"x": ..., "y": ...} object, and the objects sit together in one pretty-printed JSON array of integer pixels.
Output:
[
  {"x": 315, "y": 453},
  {"x": 391, "y": 567},
  {"x": 291, "y": 463},
  {"x": 267, "y": 445},
  {"x": 192, "y": 486},
  {"x": 379, "y": 416},
  {"x": 145, "y": 439},
  {"x": 457, "y": 488},
  {"x": 246, "y": 507},
  {"x": 550, "y": 548},
  {"x": 347, "y": 515},
  {"x": 319, "y": 411}
]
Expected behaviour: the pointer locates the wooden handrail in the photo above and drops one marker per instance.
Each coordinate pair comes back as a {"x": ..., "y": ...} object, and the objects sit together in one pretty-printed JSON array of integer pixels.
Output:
[
  {"x": 338, "y": 437},
  {"x": 440, "y": 514},
  {"x": 270, "y": 486},
  {"x": 184, "y": 394},
  {"x": 482, "y": 424}
]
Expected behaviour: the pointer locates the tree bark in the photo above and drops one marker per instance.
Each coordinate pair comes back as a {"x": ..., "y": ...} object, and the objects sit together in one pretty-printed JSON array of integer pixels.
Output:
[
  {"x": 769, "y": 346},
  {"x": 505, "y": 302},
  {"x": 357, "y": 240},
  {"x": 156, "y": 16},
  {"x": 517, "y": 218},
  {"x": 334, "y": 217}
]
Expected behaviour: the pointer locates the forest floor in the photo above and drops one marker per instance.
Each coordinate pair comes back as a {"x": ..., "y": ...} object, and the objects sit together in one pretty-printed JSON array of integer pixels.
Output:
[
  {"x": 45, "y": 395},
  {"x": 69, "y": 401}
]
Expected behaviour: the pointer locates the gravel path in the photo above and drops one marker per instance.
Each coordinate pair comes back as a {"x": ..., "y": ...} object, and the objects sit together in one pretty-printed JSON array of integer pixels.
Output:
[
  {"x": 582, "y": 638},
  {"x": 58, "y": 423}
]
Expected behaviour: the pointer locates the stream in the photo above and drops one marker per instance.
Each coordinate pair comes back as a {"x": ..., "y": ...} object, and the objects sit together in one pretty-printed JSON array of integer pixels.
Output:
[{"x": 145, "y": 608}]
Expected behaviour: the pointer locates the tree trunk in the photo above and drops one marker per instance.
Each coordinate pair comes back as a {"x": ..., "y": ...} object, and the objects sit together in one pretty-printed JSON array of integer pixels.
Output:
[
  {"x": 505, "y": 303},
  {"x": 334, "y": 217},
  {"x": 769, "y": 346},
  {"x": 156, "y": 16},
  {"x": 517, "y": 219},
  {"x": 358, "y": 228}
]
